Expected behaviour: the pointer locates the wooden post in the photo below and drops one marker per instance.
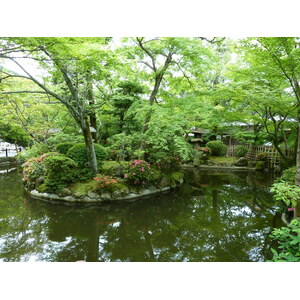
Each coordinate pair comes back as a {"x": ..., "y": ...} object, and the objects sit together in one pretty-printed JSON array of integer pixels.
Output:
[{"x": 6, "y": 152}]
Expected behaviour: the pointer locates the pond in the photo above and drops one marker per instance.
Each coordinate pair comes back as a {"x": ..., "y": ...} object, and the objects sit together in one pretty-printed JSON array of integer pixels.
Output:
[{"x": 215, "y": 216}]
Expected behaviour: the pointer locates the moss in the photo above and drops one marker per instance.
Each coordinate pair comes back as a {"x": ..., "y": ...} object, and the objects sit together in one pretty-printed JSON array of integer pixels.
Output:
[
  {"x": 260, "y": 165},
  {"x": 109, "y": 166},
  {"x": 81, "y": 188},
  {"x": 42, "y": 188},
  {"x": 222, "y": 159}
]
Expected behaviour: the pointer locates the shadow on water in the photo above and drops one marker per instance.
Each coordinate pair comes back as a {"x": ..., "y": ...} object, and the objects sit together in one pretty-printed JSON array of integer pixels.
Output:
[{"x": 214, "y": 216}]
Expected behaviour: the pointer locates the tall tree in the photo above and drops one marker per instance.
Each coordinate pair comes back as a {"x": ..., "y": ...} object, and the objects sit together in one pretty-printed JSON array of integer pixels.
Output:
[{"x": 73, "y": 66}]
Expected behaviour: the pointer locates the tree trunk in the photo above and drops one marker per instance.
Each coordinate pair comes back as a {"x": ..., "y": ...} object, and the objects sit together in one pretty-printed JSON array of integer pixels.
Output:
[
  {"x": 297, "y": 180},
  {"x": 93, "y": 117},
  {"x": 90, "y": 150}
]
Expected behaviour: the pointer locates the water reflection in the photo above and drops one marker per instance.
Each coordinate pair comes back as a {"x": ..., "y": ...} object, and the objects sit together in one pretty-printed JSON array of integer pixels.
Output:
[{"x": 215, "y": 216}]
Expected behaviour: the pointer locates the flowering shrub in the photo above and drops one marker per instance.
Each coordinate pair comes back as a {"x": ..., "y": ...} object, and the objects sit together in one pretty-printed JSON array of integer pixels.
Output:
[
  {"x": 105, "y": 183},
  {"x": 56, "y": 170},
  {"x": 139, "y": 172},
  {"x": 34, "y": 168},
  {"x": 205, "y": 150},
  {"x": 262, "y": 156}
]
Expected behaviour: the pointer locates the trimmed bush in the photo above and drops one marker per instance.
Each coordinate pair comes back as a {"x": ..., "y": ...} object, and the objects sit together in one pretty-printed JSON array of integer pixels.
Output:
[
  {"x": 63, "y": 148},
  {"x": 49, "y": 172},
  {"x": 240, "y": 151},
  {"x": 78, "y": 154},
  {"x": 60, "y": 170},
  {"x": 218, "y": 148}
]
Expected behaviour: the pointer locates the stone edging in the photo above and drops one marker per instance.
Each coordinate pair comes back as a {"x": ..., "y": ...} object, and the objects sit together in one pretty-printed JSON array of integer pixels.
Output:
[
  {"x": 92, "y": 197},
  {"x": 217, "y": 167}
]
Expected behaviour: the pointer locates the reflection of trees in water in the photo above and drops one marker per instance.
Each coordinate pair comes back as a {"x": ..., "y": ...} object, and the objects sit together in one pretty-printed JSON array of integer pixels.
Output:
[{"x": 223, "y": 219}]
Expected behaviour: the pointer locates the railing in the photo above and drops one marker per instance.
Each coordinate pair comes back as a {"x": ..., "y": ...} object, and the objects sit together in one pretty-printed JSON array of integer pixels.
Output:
[
  {"x": 274, "y": 157},
  {"x": 8, "y": 152}
]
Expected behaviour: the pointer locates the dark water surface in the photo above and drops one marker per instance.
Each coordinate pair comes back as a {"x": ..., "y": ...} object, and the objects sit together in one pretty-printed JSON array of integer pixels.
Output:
[{"x": 214, "y": 216}]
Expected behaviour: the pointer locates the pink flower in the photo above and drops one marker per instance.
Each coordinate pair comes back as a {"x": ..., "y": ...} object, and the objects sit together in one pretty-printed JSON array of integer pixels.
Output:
[
  {"x": 126, "y": 176},
  {"x": 134, "y": 174}
]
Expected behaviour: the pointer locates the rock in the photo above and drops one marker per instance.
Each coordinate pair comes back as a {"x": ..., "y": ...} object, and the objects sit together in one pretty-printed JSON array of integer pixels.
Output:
[
  {"x": 120, "y": 192},
  {"x": 260, "y": 165},
  {"x": 65, "y": 192},
  {"x": 40, "y": 180},
  {"x": 105, "y": 196},
  {"x": 164, "y": 182},
  {"x": 241, "y": 162},
  {"x": 251, "y": 163},
  {"x": 93, "y": 195}
]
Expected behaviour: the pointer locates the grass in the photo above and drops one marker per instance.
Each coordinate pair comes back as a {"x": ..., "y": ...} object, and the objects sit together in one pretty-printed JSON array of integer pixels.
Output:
[{"x": 223, "y": 159}]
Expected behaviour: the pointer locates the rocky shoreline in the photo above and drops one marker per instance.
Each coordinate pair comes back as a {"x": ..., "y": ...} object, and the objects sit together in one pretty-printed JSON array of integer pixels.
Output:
[{"x": 92, "y": 197}]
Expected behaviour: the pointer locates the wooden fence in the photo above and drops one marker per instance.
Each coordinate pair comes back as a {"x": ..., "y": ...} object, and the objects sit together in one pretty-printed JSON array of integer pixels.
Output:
[{"x": 273, "y": 155}]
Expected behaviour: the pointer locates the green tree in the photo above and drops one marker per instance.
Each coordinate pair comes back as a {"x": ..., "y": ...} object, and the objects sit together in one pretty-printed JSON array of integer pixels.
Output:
[{"x": 73, "y": 65}]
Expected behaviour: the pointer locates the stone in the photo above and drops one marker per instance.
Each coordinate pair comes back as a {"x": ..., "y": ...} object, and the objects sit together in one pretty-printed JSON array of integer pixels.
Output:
[
  {"x": 164, "y": 182},
  {"x": 260, "y": 165},
  {"x": 93, "y": 195},
  {"x": 251, "y": 163},
  {"x": 65, "y": 192},
  {"x": 105, "y": 196},
  {"x": 241, "y": 162}
]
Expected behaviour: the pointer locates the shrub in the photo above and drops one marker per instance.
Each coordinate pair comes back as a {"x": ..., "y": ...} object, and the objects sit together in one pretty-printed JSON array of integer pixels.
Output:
[
  {"x": 166, "y": 162},
  {"x": 56, "y": 169},
  {"x": 34, "y": 168},
  {"x": 286, "y": 193},
  {"x": 139, "y": 172},
  {"x": 240, "y": 151},
  {"x": 59, "y": 170},
  {"x": 289, "y": 241},
  {"x": 262, "y": 156},
  {"x": 106, "y": 184},
  {"x": 288, "y": 175},
  {"x": 78, "y": 154},
  {"x": 35, "y": 151},
  {"x": 205, "y": 150},
  {"x": 63, "y": 148},
  {"x": 218, "y": 148}
]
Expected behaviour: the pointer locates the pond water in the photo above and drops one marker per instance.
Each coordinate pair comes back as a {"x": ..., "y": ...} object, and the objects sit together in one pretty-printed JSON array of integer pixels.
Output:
[{"x": 214, "y": 216}]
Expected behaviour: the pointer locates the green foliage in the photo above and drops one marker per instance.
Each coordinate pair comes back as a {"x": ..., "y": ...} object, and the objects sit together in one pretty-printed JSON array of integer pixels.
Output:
[
  {"x": 63, "y": 148},
  {"x": 78, "y": 154},
  {"x": 56, "y": 170},
  {"x": 165, "y": 162},
  {"x": 288, "y": 176},
  {"x": 241, "y": 151},
  {"x": 35, "y": 151},
  {"x": 262, "y": 156},
  {"x": 124, "y": 147},
  {"x": 218, "y": 148},
  {"x": 59, "y": 171},
  {"x": 165, "y": 139},
  {"x": 107, "y": 184},
  {"x": 14, "y": 134},
  {"x": 205, "y": 150},
  {"x": 139, "y": 172},
  {"x": 289, "y": 242},
  {"x": 62, "y": 137},
  {"x": 286, "y": 193}
]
